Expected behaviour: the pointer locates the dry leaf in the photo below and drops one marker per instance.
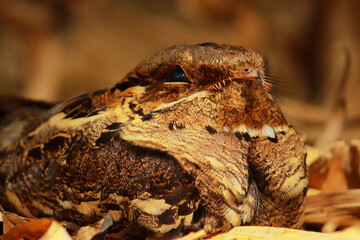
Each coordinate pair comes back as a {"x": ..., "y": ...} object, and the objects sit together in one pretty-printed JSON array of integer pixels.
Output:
[
  {"x": 328, "y": 174},
  {"x": 274, "y": 233},
  {"x": 32, "y": 230},
  {"x": 38, "y": 229},
  {"x": 56, "y": 232},
  {"x": 11, "y": 219},
  {"x": 339, "y": 209},
  {"x": 337, "y": 167},
  {"x": 193, "y": 235},
  {"x": 97, "y": 230}
]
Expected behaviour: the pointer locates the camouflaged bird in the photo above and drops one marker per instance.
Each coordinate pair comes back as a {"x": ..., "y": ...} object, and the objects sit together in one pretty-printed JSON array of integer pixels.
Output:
[{"x": 191, "y": 136}]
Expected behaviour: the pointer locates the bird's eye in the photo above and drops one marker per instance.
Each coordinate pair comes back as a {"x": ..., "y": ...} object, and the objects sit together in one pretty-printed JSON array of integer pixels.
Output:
[{"x": 178, "y": 75}]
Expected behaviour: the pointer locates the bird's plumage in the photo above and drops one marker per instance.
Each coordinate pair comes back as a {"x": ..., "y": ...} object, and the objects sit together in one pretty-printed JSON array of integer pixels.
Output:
[{"x": 191, "y": 135}]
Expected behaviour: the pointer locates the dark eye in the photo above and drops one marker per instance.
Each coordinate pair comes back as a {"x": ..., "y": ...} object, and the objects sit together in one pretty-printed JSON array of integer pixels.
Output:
[{"x": 178, "y": 75}]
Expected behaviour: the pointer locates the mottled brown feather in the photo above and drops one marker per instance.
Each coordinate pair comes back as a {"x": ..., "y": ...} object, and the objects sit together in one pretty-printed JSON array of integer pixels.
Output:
[{"x": 190, "y": 137}]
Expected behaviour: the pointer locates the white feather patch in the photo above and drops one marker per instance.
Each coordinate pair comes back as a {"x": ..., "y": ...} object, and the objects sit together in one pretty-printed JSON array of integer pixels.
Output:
[
  {"x": 269, "y": 131},
  {"x": 188, "y": 98}
]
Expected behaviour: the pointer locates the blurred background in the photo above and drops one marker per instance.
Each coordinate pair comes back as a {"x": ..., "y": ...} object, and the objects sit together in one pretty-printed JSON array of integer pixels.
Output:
[{"x": 55, "y": 49}]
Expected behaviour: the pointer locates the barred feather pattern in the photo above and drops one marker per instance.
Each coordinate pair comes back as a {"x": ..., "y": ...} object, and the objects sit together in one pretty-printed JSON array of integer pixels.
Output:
[{"x": 190, "y": 137}]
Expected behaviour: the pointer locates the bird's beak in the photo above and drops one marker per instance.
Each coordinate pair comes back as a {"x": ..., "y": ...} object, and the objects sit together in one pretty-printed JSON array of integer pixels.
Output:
[{"x": 251, "y": 74}]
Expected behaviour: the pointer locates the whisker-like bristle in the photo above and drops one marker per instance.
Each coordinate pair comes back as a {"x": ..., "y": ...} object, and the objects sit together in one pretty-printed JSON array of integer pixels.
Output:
[{"x": 280, "y": 88}]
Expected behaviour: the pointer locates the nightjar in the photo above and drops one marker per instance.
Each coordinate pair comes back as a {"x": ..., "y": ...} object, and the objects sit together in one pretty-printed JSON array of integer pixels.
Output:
[{"x": 190, "y": 137}]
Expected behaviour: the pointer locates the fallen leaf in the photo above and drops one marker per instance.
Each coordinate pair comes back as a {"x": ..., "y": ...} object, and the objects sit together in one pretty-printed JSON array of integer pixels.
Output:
[
  {"x": 337, "y": 167},
  {"x": 32, "y": 230},
  {"x": 333, "y": 210},
  {"x": 10, "y": 220},
  {"x": 193, "y": 235},
  {"x": 56, "y": 232},
  {"x": 97, "y": 230},
  {"x": 275, "y": 233}
]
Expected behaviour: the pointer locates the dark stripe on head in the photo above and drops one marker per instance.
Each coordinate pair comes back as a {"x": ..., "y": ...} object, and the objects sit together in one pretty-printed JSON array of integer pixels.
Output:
[
  {"x": 147, "y": 117},
  {"x": 78, "y": 107},
  {"x": 114, "y": 126},
  {"x": 242, "y": 136},
  {"x": 210, "y": 130},
  {"x": 55, "y": 143},
  {"x": 35, "y": 153},
  {"x": 131, "y": 81},
  {"x": 105, "y": 137}
]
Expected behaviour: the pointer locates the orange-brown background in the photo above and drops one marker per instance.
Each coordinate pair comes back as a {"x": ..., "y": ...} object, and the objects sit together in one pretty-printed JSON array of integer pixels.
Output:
[{"x": 55, "y": 49}]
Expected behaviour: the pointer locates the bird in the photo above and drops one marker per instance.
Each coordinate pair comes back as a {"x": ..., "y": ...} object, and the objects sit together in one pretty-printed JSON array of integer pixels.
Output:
[{"x": 190, "y": 138}]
